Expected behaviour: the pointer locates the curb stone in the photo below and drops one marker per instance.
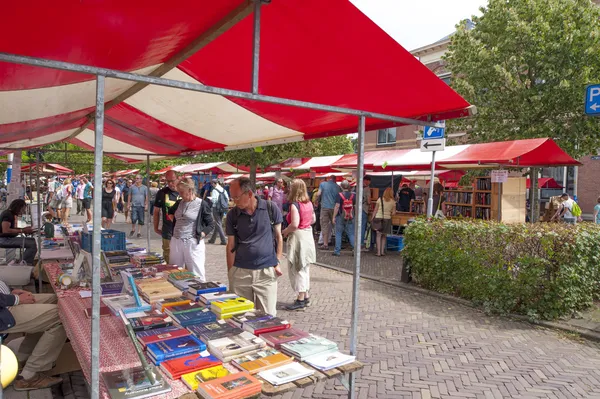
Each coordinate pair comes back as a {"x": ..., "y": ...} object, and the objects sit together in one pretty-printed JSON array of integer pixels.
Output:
[{"x": 583, "y": 332}]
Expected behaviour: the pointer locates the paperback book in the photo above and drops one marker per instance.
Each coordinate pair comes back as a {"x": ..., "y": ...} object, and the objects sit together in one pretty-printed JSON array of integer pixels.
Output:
[
  {"x": 215, "y": 330},
  {"x": 286, "y": 373},
  {"x": 176, "y": 347},
  {"x": 190, "y": 307},
  {"x": 227, "y": 306},
  {"x": 261, "y": 360},
  {"x": 309, "y": 346},
  {"x": 207, "y": 299},
  {"x": 197, "y": 317},
  {"x": 134, "y": 384},
  {"x": 199, "y": 288},
  {"x": 254, "y": 315},
  {"x": 328, "y": 361},
  {"x": 152, "y": 321},
  {"x": 240, "y": 385},
  {"x": 277, "y": 338},
  {"x": 161, "y": 334},
  {"x": 175, "y": 368},
  {"x": 236, "y": 345},
  {"x": 125, "y": 302},
  {"x": 259, "y": 327},
  {"x": 212, "y": 373}
]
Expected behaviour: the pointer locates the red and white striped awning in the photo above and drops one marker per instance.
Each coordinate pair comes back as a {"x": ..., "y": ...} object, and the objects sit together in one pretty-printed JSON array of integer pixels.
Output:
[{"x": 325, "y": 52}]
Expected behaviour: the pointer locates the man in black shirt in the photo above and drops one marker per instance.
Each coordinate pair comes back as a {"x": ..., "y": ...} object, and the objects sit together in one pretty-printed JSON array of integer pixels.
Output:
[
  {"x": 405, "y": 195},
  {"x": 165, "y": 199},
  {"x": 9, "y": 231}
]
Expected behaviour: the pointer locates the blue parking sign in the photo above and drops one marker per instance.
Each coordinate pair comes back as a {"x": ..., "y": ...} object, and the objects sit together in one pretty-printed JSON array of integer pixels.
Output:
[
  {"x": 592, "y": 100},
  {"x": 433, "y": 133}
]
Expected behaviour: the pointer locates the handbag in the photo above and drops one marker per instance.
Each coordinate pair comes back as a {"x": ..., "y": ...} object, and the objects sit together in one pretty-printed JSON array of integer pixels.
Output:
[{"x": 377, "y": 223}]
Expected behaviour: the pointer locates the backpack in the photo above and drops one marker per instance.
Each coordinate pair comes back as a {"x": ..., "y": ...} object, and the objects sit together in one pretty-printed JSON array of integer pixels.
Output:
[
  {"x": 347, "y": 207},
  {"x": 236, "y": 213},
  {"x": 222, "y": 205},
  {"x": 575, "y": 210},
  {"x": 58, "y": 193}
]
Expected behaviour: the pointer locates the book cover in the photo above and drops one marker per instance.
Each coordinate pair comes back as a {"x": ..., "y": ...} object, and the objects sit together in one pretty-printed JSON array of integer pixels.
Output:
[
  {"x": 150, "y": 322},
  {"x": 190, "y": 307},
  {"x": 198, "y": 288},
  {"x": 259, "y": 327},
  {"x": 261, "y": 360},
  {"x": 214, "y": 296},
  {"x": 231, "y": 305},
  {"x": 161, "y": 334},
  {"x": 309, "y": 346},
  {"x": 104, "y": 311},
  {"x": 175, "y": 347},
  {"x": 328, "y": 361},
  {"x": 215, "y": 330},
  {"x": 277, "y": 338},
  {"x": 167, "y": 303},
  {"x": 240, "y": 385},
  {"x": 133, "y": 384},
  {"x": 286, "y": 373},
  {"x": 237, "y": 344},
  {"x": 183, "y": 275},
  {"x": 211, "y": 373},
  {"x": 254, "y": 315},
  {"x": 196, "y": 317},
  {"x": 175, "y": 368}
]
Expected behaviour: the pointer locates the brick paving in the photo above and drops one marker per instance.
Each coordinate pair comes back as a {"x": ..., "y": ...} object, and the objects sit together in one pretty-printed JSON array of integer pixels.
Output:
[{"x": 417, "y": 346}]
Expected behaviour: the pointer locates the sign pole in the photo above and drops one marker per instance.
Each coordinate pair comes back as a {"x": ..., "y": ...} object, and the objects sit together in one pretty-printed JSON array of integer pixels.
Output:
[{"x": 430, "y": 200}]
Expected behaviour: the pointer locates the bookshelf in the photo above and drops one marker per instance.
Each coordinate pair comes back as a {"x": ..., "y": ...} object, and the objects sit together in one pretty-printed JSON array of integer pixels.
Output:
[{"x": 484, "y": 200}]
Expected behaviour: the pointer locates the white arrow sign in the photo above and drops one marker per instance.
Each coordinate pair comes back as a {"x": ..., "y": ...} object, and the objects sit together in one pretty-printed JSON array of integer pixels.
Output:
[
  {"x": 433, "y": 145},
  {"x": 595, "y": 106}
]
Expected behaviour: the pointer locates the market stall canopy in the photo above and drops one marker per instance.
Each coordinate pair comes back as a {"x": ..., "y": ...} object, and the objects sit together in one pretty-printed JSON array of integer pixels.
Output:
[
  {"x": 46, "y": 168},
  {"x": 315, "y": 164},
  {"x": 514, "y": 154},
  {"x": 126, "y": 172},
  {"x": 545, "y": 182},
  {"x": 211, "y": 167},
  {"x": 310, "y": 50}
]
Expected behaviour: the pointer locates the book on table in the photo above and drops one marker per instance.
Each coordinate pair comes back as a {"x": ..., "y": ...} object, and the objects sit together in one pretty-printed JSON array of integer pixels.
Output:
[
  {"x": 125, "y": 302},
  {"x": 235, "y": 345},
  {"x": 308, "y": 346},
  {"x": 330, "y": 360},
  {"x": 207, "y": 299},
  {"x": 104, "y": 311},
  {"x": 215, "y": 330},
  {"x": 262, "y": 360},
  {"x": 151, "y": 321},
  {"x": 286, "y": 373},
  {"x": 259, "y": 327},
  {"x": 189, "y": 307},
  {"x": 171, "y": 302},
  {"x": 161, "y": 334},
  {"x": 253, "y": 315},
  {"x": 191, "y": 380},
  {"x": 196, "y": 317},
  {"x": 199, "y": 288},
  {"x": 176, "y": 347},
  {"x": 276, "y": 338},
  {"x": 240, "y": 385},
  {"x": 134, "y": 384},
  {"x": 227, "y": 306},
  {"x": 175, "y": 368}
]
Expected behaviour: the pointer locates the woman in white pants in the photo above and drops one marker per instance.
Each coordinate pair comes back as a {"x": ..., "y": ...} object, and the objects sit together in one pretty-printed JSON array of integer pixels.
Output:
[{"x": 193, "y": 221}]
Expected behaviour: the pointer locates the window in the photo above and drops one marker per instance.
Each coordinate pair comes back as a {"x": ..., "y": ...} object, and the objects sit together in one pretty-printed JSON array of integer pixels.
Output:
[{"x": 386, "y": 136}]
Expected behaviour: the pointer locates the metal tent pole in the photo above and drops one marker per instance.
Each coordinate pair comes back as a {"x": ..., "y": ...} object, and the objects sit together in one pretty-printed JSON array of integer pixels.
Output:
[
  {"x": 357, "y": 252},
  {"x": 96, "y": 247},
  {"x": 148, "y": 210},
  {"x": 256, "y": 46},
  {"x": 430, "y": 200},
  {"x": 39, "y": 218},
  {"x": 565, "y": 178}
]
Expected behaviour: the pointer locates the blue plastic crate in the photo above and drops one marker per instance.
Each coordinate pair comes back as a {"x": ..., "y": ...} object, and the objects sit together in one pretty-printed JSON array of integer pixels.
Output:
[
  {"x": 111, "y": 240},
  {"x": 395, "y": 243}
]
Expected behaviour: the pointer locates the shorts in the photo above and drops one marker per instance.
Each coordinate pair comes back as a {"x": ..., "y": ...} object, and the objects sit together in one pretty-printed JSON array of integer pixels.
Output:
[
  {"x": 67, "y": 203},
  {"x": 54, "y": 203},
  {"x": 137, "y": 215},
  {"x": 87, "y": 203},
  {"x": 108, "y": 211}
]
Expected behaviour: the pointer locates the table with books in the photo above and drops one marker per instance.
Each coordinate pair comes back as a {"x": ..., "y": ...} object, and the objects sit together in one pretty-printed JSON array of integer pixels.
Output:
[{"x": 163, "y": 333}]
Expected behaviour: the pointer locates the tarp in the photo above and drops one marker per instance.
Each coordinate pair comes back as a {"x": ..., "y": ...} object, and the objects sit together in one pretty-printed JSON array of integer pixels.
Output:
[
  {"x": 211, "y": 167},
  {"x": 46, "y": 168},
  {"x": 311, "y": 50},
  {"x": 545, "y": 182},
  {"x": 315, "y": 164}
]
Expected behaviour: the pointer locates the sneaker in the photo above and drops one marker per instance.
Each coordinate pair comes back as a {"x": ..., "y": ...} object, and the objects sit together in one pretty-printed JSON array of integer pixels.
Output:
[
  {"x": 39, "y": 381},
  {"x": 224, "y": 243},
  {"x": 131, "y": 233},
  {"x": 297, "y": 305},
  {"x": 336, "y": 254},
  {"x": 307, "y": 302},
  {"x": 139, "y": 235}
]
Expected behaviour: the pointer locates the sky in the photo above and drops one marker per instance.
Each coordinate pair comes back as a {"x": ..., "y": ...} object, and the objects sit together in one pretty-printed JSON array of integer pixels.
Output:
[{"x": 417, "y": 23}]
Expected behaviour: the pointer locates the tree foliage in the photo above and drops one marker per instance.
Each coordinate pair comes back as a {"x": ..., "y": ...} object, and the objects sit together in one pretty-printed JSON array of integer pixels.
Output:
[
  {"x": 80, "y": 163},
  {"x": 525, "y": 65}
]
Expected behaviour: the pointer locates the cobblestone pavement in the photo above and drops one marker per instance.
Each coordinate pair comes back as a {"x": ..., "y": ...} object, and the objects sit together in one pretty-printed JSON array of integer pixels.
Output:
[{"x": 416, "y": 346}]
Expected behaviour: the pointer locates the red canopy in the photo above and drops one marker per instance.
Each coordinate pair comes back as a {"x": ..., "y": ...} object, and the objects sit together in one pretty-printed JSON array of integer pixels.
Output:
[
  {"x": 310, "y": 50},
  {"x": 545, "y": 182},
  {"x": 47, "y": 168}
]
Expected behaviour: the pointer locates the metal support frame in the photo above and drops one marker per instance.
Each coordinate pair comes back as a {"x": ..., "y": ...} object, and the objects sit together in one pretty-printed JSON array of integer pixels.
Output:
[
  {"x": 39, "y": 218},
  {"x": 98, "y": 144},
  {"x": 430, "y": 200},
  {"x": 357, "y": 252},
  {"x": 148, "y": 210},
  {"x": 256, "y": 46}
]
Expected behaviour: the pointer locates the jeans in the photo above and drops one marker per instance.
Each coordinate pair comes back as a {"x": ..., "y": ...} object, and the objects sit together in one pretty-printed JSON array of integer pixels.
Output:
[
  {"x": 137, "y": 215},
  {"x": 363, "y": 233},
  {"x": 28, "y": 243},
  {"x": 342, "y": 225},
  {"x": 218, "y": 217}
]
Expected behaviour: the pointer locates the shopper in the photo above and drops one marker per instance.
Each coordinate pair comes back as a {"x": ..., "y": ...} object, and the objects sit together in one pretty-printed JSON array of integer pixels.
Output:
[
  {"x": 138, "y": 204},
  {"x": 366, "y": 205},
  {"x": 9, "y": 231},
  {"x": 254, "y": 246},
  {"x": 328, "y": 196},
  {"x": 385, "y": 207},
  {"x": 277, "y": 194},
  {"x": 88, "y": 192},
  {"x": 192, "y": 222},
  {"x": 109, "y": 203},
  {"x": 301, "y": 252},
  {"x": 53, "y": 199},
  {"x": 343, "y": 217},
  {"x": 566, "y": 209},
  {"x": 220, "y": 205},
  {"x": 165, "y": 199},
  {"x": 153, "y": 192},
  {"x": 66, "y": 195},
  {"x": 439, "y": 206},
  {"x": 597, "y": 212},
  {"x": 118, "y": 200},
  {"x": 79, "y": 197},
  {"x": 125, "y": 194},
  {"x": 405, "y": 195}
]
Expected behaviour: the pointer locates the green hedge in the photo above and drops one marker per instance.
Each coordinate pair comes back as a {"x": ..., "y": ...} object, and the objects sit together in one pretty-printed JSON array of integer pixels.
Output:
[{"x": 540, "y": 270}]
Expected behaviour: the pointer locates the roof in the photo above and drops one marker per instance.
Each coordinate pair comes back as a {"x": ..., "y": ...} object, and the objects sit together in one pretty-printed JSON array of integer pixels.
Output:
[
  {"x": 316, "y": 42},
  {"x": 546, "y": 182},
  {"x": 47, "y": 168}
]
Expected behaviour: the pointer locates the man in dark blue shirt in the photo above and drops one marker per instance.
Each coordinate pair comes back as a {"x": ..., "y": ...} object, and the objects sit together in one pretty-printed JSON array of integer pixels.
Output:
[
  {"x": 343, "y": 219},
  {"x": 254, "y": 246}
]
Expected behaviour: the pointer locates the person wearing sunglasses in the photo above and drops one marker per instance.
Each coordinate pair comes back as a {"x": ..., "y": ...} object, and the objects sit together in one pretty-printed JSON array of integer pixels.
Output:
[{"x": 109, "y": 203}]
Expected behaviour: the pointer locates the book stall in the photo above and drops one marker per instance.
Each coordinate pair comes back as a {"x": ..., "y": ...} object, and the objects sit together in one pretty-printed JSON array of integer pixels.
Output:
[{"x": 164, "y": 333}]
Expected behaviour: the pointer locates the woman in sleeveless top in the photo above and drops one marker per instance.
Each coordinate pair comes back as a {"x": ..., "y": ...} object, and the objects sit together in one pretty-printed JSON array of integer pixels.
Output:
[
  {"x": 66, "y": 201},
  {"x": 109, "y": 203},
  {"x": 301, "y": 244},
  {"x": 385, "y": 208}
]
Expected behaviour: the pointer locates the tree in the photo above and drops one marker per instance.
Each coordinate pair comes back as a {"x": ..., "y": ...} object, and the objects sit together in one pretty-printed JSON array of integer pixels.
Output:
[
  {"x": 80, "y": 163},
  {"x": 525, "y": 65}
]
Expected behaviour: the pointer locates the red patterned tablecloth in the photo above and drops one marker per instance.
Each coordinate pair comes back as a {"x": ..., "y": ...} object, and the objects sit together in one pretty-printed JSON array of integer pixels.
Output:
[
  {"x": 53, "y": 270},
  {"x": 116, "y": 349}
]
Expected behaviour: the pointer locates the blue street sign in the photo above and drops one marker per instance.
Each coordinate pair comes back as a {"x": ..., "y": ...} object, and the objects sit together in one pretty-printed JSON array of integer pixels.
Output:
[
  {"x": 592, "y": 100},
  {"x": 433, "y": 133}
]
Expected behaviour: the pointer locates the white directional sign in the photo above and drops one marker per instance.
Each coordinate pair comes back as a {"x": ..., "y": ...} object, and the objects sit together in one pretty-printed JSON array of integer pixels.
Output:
[{"x": 433, "y": 145}]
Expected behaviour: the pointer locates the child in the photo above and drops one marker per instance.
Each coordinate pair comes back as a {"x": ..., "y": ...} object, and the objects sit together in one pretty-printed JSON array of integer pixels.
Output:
[{"x": 48, "y": 226}]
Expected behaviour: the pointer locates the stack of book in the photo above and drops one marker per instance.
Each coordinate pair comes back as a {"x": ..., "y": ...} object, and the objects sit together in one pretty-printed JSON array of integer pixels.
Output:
[
  {"x": 227, "y": 308},
  {"x": 193, "y": 379},
  {"x": 228, "y": 348},
  {"x": 195, "y": 317},
  {"x": 171, "y": 303},
  {"x": 328, "y": 361},
  {"x": 253, "y": 315},
  {"x": 266, "y": 325},
  {"x": 111, "y": 288},
  {"x": 197, "y": 288},
  {"x": 233, "y": 386},
  {"x": 157, "y": 289},
  {"x": 133, "y": 383},
  {"x": 173, "y": 348},
  {"x": 126, "y": 303},
  {"x": 286, "y": 373},
  {"x": 178, "y": 309},
  {"x": 309, "y": 346},
  {"x": 181, "y": 279},
  {"x": 207, "y": 299},
  {"x": 161, "y": 334},
  {"x": 262, "y": 360},
  {"x": 152, "y": 321},
  {"x": 145, "y": 259},
  {"x": 277, "y": 338},
  {"x": 210, "y": 331},
  {"x": 175, "y": 368}
]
